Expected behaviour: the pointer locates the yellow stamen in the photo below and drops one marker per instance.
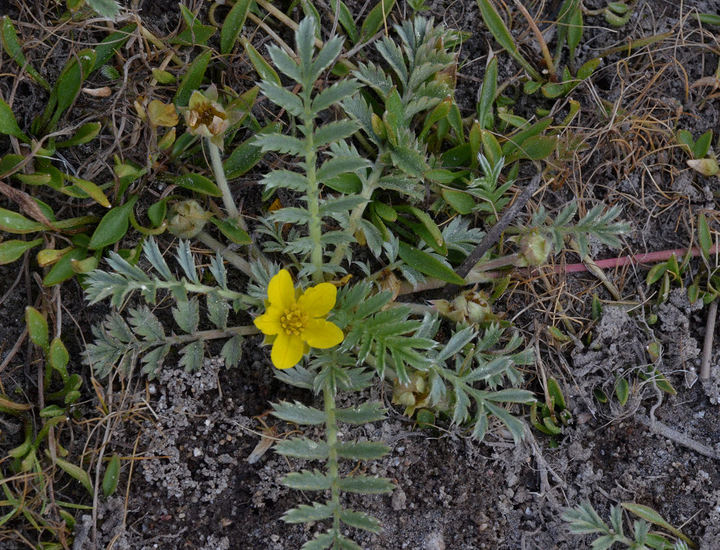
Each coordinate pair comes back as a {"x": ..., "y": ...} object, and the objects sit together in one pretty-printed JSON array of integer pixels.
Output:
[{"x": 294, "y": 320}]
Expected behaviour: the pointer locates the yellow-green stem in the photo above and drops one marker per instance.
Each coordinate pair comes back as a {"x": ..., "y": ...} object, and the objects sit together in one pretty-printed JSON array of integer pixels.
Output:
[
  {"x": 217, "y": 246},
  {"x": 222, "y": 183},
  {"x": 331, "y": 433},
  {"x": 313, "y": 195}
]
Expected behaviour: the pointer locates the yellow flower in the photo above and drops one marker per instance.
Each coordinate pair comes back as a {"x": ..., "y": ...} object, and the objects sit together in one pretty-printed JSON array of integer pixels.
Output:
[{"x": 298, "y": 324}]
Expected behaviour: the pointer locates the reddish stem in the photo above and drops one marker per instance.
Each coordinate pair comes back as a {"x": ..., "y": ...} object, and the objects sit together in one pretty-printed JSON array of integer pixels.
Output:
[{"x": 648, "y": 258}]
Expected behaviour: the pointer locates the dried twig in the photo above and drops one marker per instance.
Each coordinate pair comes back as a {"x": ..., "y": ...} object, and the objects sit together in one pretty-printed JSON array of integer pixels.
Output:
[
  {"x": 708, "y": 342},
  {"x": 675, "y": 436},
  {"x": 493, "y": 235}
]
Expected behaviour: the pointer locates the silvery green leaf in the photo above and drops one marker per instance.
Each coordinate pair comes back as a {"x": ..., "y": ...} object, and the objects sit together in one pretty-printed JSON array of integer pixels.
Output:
[
  {"x": 186, "y": 261},
  {"x": 285, "y": 179},
  {"x": 336, "y": 237},
  {"x": 438, "y": 390},
  {"x": 320, "y": 542},
  {"x": 456, "y": 343},
  {"x": 358, "y": 109},
  {"x": 326, "y": 56},
  {"x": 481, "y": 425},
  {"x": 297, "y": 376},
  {"x": 393, "y": 55},
  {"x": 423, "y": 72},
  {"x": 563, "y": 218},
  {"x": 584, "y": 520},
  {"x": 360, "y": 520},
  {"x": 458, "y": 235},
  {"x": 366, "y": 485},
  {"x": 340, "y": 205},
  {"x": 218, "y": 271},
  {"x": 490, "y": 337},
  {"x": 153, "y": 360},
  {"x": 370, "y": 411},
  {"x": 232, "y": 351},
  {"x": 304, "y": 46},
  {"x": 433, "y": 89},
  {"x": 302, "y": 448},
  {"x": 298, "y": 413},
  {"x": 302, "y": 245},
  {"x": 306, "y": 514},
  {"x": 462, "y": 404},
  {"x": 359, "y": 379},
  {"x": 510, "y": 395},
  {"x": 410, "y": 161},
  {"x": 284, "y": 62},
  {"x": 334, "y": 131},
  {"x": 515, "y": 426},
  {"x": 307, "y": 481},
  {"x": 339, "y": 165},
  {"x": 330, "y": 377},
  {"x": 101, "y": 284},
  {"x": 155, "y": 257},
  {"x": 373, "y": 237},
  {"x": 283, "y": 98},
  {"x": 401, "y": 184},
  {"x": 375, "y": 77},
  {"x": 146, "y": 325},
  {"x": 280, "y": 143},
  {"x": 616, "y": 519},
  {"x": 604, "y": 542},
  {"x": 290, "y": 214},
  {"x": 187, "y": 315},
  {"x": 121, "y": 266},
  {"x": 218, "y": 310},
  {"x": 362, "y": 450},
  {"x": 335, "y": 93},
  {"x": 487, "y": 369},
  {"x": 117, "y": 328},
  {"x": 192, "y": 355}
]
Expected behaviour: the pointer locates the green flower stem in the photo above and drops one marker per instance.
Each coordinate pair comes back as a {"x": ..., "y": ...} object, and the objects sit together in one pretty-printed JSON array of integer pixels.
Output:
[
  {"x": 236, "y": 260},
  {"x": 331, "y": 433},
  {"x": 313, "y": 193},
  {"x": 221, "y": 180},
  {"x": 359, "y": 210}
]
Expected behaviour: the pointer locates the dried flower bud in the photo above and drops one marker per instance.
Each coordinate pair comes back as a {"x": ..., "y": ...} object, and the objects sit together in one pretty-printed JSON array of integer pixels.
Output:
[
  {"x": 205, "y": 117},
  {"x": 535, "y": 249},
  {"x": 187, "y": 219},
  {"x": 408, "y": 394},
  {"x": 469, "y": 307}
]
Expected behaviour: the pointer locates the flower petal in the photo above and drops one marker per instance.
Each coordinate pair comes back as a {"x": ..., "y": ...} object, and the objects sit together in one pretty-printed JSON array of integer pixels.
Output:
[
  {"x": 269, "y": 322},
  {"x": 322, "y": 334},
  {"x": 317, "y": 301},
  {"x": 196, "y": 99},
  {"x": 281, "y": 292},
  {"x": 287, "y": 350}
]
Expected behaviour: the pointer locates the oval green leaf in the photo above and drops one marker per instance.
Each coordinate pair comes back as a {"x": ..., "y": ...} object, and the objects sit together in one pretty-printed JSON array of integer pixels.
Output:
[
  {"x": 428, "y": 265},
  {"x": 233, "y": 24},
  {"x": 192, "y": 79},
  {"x": 112, "y": 475},
  {"x": 13, "y": 249},
  {"x": 199, "y": 184},
  {"x": 231, "y": 230},
  {"x": 8, "y": 124},
  {"x": 112, "y": 226},
  {"x": 37, "y": 327}
]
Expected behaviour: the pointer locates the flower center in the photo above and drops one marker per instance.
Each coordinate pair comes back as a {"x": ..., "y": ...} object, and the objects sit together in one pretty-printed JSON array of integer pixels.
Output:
[
  {"x": 206, "y": 113},
  {"x": 293, "y": 321}
]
